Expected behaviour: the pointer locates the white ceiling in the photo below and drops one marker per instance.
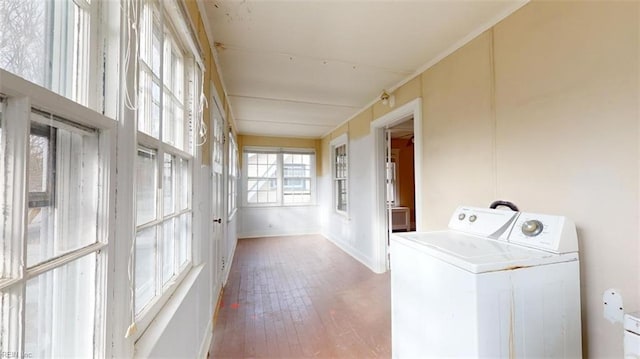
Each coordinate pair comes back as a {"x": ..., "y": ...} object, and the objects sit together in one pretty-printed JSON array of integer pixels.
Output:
[{"x": 301, "y": 68}]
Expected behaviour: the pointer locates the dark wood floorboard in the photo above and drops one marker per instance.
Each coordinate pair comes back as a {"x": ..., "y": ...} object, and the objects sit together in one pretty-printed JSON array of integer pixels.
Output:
[{"x": 301, "y": 296}]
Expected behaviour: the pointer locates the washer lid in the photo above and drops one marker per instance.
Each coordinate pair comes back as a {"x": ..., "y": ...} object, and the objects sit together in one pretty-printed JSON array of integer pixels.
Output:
[{"x": 478, "y": 254}]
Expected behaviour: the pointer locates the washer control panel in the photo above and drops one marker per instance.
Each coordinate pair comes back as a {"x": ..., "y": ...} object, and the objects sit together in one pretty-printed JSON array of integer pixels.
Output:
[
  {"x": 486, "y": 222},
  {"x": 542, "y": 231},
  {"x": 546, "y": 232}
]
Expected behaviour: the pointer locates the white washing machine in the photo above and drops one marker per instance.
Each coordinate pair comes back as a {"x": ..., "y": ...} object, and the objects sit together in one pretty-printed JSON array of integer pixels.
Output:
[{"x": 496, "y": 284}]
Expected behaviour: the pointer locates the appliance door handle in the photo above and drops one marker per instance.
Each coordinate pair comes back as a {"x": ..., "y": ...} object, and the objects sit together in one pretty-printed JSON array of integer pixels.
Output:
[{"x": 219, "y": 220}]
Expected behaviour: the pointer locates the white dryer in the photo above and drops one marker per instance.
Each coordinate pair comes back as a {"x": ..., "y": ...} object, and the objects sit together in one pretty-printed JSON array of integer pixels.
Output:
[{"x": 497, "y": 284}]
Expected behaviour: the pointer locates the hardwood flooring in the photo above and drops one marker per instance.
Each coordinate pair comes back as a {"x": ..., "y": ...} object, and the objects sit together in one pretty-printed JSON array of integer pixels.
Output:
[{"x": 301, "y": 296}]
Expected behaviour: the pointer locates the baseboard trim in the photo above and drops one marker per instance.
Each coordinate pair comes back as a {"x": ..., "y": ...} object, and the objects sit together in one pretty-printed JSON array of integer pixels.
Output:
[
  {"x": 206, "y": 343},
  {"x": 353, "y": 252},
  {"x": 249, "y": 236}
]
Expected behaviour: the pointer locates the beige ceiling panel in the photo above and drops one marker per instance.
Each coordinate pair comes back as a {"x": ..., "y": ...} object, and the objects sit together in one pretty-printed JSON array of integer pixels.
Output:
[
  {"x": 281, "y": 129},
  {"x": 289, "y": 112},
  {"x": 399, "y": 35},
  {"x": 273, "y": 75}
]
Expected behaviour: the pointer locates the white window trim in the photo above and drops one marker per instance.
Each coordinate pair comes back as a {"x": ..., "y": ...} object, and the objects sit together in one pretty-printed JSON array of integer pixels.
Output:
[
  {"x": 337, "y": 142},
  {"x": 280, "y": 176},
  {"x": 22, "y": 96}
]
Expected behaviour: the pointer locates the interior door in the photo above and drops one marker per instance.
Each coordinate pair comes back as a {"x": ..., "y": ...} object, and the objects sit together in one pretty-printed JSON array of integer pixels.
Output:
[{"x": 217, "y": 200}]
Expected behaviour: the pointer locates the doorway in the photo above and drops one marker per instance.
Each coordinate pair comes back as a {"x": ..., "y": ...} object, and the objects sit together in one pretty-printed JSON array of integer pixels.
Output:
[
  {"x": 379, "y": 127},
  {"x": 400, "y": 177}
]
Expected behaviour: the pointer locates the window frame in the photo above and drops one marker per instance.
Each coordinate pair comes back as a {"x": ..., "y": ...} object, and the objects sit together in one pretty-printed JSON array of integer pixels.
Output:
[
  {"x": 169, "y": 22},
  {"x": 23, "y": 97},
  {"x": 342, "y": 140},
  {"x": 279, "y": 152}
]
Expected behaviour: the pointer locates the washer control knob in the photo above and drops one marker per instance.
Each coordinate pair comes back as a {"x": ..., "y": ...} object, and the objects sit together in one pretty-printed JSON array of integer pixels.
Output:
[
  {"x": 472, "y": 218},
  {"x": 461, "y": 216},
  {"x": 532, "y": 227}
]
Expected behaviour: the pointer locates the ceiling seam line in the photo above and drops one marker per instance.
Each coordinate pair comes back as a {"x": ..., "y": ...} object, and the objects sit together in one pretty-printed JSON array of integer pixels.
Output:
[{"x": 292, "y": 101}]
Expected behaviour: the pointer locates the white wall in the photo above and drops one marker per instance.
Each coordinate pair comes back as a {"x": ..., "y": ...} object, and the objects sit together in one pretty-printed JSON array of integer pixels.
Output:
[
  {"x": 231, "y": 241},
  {"x": 354, "y": 234},
  {"x": 189, "y": 328},
  {"x": 274, "y": 221}
]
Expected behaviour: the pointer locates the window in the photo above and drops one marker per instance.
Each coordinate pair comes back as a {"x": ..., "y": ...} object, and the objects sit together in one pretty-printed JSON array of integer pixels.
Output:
[
  {"x": 279, "y": 177},
  {"x": 54, "y": 294},
  {"x": 297, "y": 177},
  {"x": 340, "y": 173},
  {"x": 53, "y": 47},
  {"x": 262, "y": 177},
  {"x": 233, "y": 174},
  {"x": 163, "y": 163}
]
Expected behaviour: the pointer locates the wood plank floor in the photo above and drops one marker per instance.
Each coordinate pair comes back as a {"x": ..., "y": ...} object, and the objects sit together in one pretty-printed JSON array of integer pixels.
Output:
[{"x": 301, "y": 296}]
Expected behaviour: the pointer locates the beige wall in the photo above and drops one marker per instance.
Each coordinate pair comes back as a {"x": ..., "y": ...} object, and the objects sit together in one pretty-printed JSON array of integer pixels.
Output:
[
  {"x": 543, "y": 110},
  {"x": 567, "y": 141},
  {"x": 458, "y": 133}
]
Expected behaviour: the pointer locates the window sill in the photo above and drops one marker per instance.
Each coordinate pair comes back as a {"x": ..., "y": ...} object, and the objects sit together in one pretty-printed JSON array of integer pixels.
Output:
[
  {"x": 345, "y": 215},
  {"x": 148, "y": 340}
]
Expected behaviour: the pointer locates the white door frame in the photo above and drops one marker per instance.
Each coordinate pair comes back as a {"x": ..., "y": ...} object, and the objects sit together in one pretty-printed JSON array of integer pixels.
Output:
[
  {"x": 378, "y": 126},
  {"x": 216, "y": 108}
]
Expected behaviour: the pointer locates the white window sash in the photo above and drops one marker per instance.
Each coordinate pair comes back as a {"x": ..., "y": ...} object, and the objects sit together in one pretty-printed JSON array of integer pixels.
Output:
[
  {"x": 22, "y": 97},
  {"x": 182, "y": 147},
  {"x": 342, "y": 140},
  {"x": 279, "y": 152}
]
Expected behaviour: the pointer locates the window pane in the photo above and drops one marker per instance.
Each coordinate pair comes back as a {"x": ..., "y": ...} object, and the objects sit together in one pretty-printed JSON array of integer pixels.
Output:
[
  {"x": 341, "y": 194},
  {"x": 178, "y": 114},
  {"x": 297, "y": 178},
  {"x": 155, "y": 109},
  {"x": 63, "y": 192},
  {"x": 178, "y": 70},
  {"x": 168, "y": 250},
  {"x": 156, "y": 45},
  {"x": 168, "y": 121},
  {"x": 38, "y": 161},
  {"x": 46, "y": 42},
  {"x": 24, "y": 55},
  {"x": 167, "y": 74},
  {"x": 10, "y": 308},
  {"x": 149, "y": 105},
  {"x": 145, "y": 276},
  {"x": 60, "y": 311},
  {"x": 183, "y": 233},
  {"x": 145, "y": 186},
  {"x": 252, "y": 158},
  {"x": 183, "y": 183},
  {"x": 168, "y": 187}
]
